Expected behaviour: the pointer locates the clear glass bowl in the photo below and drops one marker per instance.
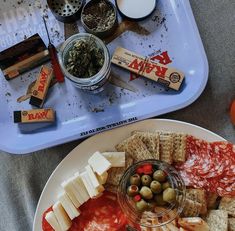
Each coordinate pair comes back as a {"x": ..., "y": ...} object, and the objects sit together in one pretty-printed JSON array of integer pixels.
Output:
[
  {"x": 94, "y": 83},
  {"x": 161, "y": 215}
]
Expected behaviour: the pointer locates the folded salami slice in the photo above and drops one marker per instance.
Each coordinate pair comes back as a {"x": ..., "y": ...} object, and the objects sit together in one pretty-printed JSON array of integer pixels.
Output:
[{"x": 210, "y": 166}]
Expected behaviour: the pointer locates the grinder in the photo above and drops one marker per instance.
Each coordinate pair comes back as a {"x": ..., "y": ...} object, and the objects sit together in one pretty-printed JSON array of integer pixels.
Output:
[{"x": 67, "y": 11}]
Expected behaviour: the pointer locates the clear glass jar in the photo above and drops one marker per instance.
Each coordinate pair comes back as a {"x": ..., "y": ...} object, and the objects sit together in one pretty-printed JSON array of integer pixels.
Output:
[
  {"x": 161, "y": 215},
  {"x": 95, "y": 83}
]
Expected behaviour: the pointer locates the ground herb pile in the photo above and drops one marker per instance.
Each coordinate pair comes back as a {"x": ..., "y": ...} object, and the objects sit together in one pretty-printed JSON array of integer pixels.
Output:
[
  {"x": 99, "y": 16},
  {"x": 85, "y": 59}
]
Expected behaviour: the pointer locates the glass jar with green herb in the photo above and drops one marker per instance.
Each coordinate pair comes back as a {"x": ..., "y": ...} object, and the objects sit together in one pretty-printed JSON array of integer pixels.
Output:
[{"x": 85, "y": 61}]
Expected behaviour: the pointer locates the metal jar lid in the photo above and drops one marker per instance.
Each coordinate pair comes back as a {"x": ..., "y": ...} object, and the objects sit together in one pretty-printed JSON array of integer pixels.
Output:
[
  {"x": 99, "y": 33},
  {"x": 135, "y": 9},
  {"x": 66, "y": 10}
]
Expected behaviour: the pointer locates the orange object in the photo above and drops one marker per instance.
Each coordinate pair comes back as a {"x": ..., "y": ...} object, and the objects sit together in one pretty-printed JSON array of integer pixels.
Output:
[{"x": 232, "y": 112}]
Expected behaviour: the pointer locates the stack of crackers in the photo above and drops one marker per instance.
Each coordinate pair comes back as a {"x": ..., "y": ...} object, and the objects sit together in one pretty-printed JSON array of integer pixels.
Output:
[
  {"x": 165, "y": 146},
  {"x": 218, "y": 213}
]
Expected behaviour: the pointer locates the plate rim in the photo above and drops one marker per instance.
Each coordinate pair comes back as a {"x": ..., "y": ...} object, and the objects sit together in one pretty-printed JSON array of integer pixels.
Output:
[{"x": 115, "y": 130}]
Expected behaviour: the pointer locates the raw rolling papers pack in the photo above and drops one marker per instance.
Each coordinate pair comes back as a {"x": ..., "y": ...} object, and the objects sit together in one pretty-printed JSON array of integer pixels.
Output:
[
  {"x": 41, "y": 86},
  {"x": 34, "y": 116},
  {"x": 167, "y": 76},
  {"x": 30, "y": 121},
  {"x": 23, "y": 57}
]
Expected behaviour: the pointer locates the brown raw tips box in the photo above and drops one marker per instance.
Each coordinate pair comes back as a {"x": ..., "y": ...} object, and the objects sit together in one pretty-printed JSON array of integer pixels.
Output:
[
  {"x": 34, "y": 116},
  {"x": 23, "y": 57},
  {"x": 41, "y": 87},
  {"x": 167, "y": 76}
]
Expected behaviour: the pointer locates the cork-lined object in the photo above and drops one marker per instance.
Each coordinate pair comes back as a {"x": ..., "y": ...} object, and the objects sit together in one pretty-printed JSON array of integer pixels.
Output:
[
  {"x": 167, "y": 76},
  {"x": 23, "y": 57}
]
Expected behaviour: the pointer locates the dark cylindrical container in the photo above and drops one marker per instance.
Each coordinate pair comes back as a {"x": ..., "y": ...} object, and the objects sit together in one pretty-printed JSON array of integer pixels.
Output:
[{"x": 102, "y": 33}]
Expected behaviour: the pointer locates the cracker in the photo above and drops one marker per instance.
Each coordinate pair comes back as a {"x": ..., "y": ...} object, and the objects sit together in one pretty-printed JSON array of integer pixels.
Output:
[
  {"x": 217, "y": 220},
  {"x": 179, "y": 145},
  {"x": 166, "y": 148},
  {"x": 151, "y": 140},
  {"x": 191, "y": 208},
  {"x": 228, "y": 204},
  {"x": 198, "y": 195},
  {"x": 111, "y": 188},
  {"x": 179, "y": 150},
  {"x": 231, "y": 224},
  {"x": 115, "y": 174},
  {"x": 134, "y": 147}
]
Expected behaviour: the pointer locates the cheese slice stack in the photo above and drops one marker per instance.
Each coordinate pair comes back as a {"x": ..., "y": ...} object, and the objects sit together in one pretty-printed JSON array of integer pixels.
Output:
[
  {"x": 51, "y": 219},
  {"x": 72, "y": 193},
  {"x": 68, "y": 206},
  {"x": 99, "y": 163},
  {"x": 61, "y": 216},
  {"x": 81, "y": 187}
]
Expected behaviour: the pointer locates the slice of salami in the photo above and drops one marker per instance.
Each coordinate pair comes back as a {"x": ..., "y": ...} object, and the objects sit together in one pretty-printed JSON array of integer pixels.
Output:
[
  {"x": 226, "y": 190},
  {"x": 101, "y": 214},
  {"x": 210, "y": 166}
]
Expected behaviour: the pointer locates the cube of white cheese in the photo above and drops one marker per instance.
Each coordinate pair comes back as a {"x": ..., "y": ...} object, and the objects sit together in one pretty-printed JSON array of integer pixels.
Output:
[
  {"x": 71, "y": 191},
  {"x": 61, "y": 216},
  {"x": 51, "y": 219},
  {"x": 76, "y": 190},
  {"x": 117, "y": 159},
  {"x": 68, "y": 206},
  {"x": 99, "y": 163},
  {"x": 80, "y": 187},
  {"x": 92, "y": 191},
  {"x": 102, "y": 178},
  {"x": 92, "y": 176}
]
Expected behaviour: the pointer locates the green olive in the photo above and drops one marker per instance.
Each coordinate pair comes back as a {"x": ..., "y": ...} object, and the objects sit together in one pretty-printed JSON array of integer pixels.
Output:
[
  {"x": 146, "y": 193},
  {"x": 155, "y": 186},
  {"x": 151, "y": 205},
  {"x": 132, "y": 190},
  {"x": 166, "y": 185},
  {"x": 146, "y": 180},
  {"x": 169, "y": 195},
  {"x": 135, "y": 180},
  {"x": 159, "y": 175},
  {"x": 141, "y": 205},
  {"x": 159, "y": 200}
]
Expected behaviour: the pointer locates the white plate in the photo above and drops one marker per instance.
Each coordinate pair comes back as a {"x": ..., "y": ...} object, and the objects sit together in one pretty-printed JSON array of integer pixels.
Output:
[{"x": 77, "y": 158}]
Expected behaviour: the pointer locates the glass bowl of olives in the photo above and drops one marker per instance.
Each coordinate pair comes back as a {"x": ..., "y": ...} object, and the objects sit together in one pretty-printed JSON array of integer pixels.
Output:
[{"x": 151, "y": 193}]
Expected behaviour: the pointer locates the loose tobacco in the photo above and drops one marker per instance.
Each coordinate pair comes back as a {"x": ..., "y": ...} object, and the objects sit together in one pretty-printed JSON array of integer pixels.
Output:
[
  {"x": 99, "y": 16},
  {"x": 85, "y": 58}
]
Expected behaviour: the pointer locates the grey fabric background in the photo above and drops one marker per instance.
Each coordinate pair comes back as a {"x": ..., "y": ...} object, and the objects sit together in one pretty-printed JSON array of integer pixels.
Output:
[{"x": 22, "y": 178}]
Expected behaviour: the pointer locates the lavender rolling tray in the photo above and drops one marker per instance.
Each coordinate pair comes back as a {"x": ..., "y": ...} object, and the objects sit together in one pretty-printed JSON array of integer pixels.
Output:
[{"x": 169, "y": 36}]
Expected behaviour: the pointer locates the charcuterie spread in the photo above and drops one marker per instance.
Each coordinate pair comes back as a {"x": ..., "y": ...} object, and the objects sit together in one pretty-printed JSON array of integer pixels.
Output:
[{"x": 154, "y": 167}]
